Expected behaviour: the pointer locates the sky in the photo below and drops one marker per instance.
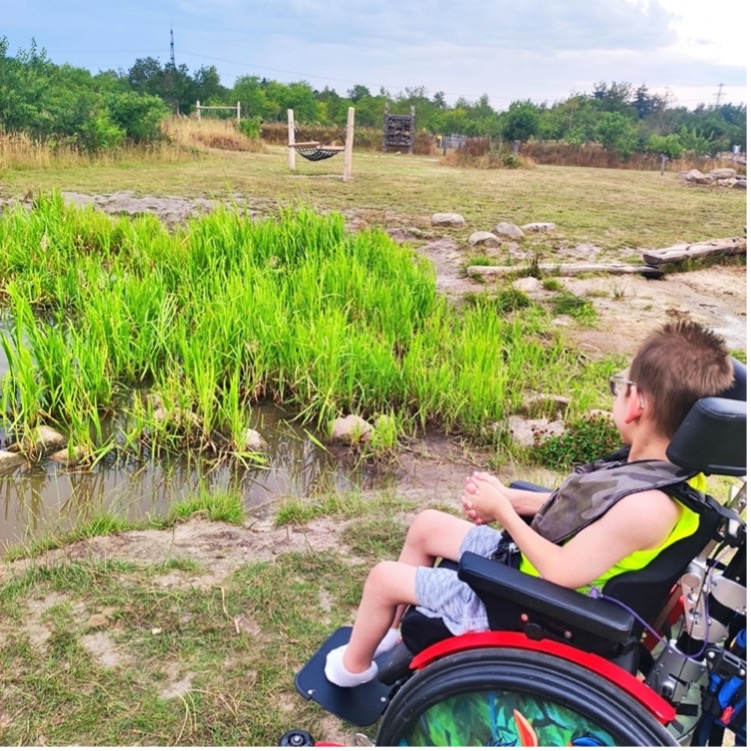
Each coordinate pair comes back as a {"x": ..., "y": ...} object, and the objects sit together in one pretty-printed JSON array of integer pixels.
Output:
[{"x": 690, "y": 51}]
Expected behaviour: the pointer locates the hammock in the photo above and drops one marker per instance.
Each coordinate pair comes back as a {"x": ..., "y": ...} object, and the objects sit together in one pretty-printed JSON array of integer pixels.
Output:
[{"x": 313, "y": 151}]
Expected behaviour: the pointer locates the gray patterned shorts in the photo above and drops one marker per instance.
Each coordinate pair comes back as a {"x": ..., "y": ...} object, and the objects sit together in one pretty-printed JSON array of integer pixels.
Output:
[{"x": 442, "y": 595}]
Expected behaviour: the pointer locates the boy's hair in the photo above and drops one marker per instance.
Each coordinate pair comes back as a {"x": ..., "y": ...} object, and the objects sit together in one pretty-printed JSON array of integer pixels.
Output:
[{"x": 676, "y": 365}]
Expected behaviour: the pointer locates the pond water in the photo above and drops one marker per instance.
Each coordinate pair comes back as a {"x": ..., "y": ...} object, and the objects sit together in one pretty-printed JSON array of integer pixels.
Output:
[{"x": 48, "y": 498}]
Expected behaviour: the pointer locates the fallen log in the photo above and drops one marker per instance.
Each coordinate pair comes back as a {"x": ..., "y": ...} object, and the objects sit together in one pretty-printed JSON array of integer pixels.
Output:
[
  {"x": 731, "y": 246},
  {"x": 567, "y": 269}
]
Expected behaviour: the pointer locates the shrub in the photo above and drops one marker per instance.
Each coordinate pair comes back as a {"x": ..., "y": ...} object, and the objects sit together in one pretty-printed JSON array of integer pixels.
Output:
[{"x": 587, "y": 439}]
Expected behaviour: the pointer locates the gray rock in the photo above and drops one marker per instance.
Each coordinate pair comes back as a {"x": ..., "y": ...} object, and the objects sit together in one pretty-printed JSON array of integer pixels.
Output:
[
  {"x": 351, "y": 429},
  {"x": 48, "y": 439},
  {"x": 488, "y": 239},
  {"x": 740, "y": 184},
  {"x": 254, "y": 441},
  {"x": 527, "y": 284},
  {"x": 539, "y": 227},
  {"x": 695, "y": 176},
  {"x": 509, "y": 230},
  {"x": 723, "y": 173},
  {"x": 10, "y": 459},
  {"x": 62, "y": 457},
  {"x": 447, "y": 220},
  {"x": 525, "y": 431}
]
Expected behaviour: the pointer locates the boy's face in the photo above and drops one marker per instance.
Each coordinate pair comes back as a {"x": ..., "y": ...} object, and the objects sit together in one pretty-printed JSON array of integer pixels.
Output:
[{"x": 620, "y": 388}]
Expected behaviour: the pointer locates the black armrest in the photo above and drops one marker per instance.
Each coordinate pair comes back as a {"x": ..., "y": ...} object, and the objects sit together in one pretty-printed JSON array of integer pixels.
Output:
[{"x": 551, "y": 611}]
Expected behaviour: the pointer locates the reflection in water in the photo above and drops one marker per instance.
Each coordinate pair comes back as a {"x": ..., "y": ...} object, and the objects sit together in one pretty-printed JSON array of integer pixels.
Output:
[{"x": 51, "y": 499}]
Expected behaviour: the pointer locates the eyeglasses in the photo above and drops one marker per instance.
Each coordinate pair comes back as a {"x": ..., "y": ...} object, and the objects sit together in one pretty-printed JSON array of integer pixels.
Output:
[{"x": 616, "y": 381}]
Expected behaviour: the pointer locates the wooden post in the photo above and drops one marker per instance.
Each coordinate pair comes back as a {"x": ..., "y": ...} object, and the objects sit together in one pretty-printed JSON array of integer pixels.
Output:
[
  {"x": 663, "y": 161},
  {"x": 291, "y": 138},
  {"x": 198, "y": 108},
  {"x": 411, "y": 128},
  {"x": 238, "y": 113},
  {"x": 348, "y": 144},
  {"x": 386, "y": 113}
]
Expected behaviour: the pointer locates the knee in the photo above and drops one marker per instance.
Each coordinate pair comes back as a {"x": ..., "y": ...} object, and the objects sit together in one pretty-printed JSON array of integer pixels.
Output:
[
  {"x": 423, "y": 526},
  {"x": 380, "y": 579}
]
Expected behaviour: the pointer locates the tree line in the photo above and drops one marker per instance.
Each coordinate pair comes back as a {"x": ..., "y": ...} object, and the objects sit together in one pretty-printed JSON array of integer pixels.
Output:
[{"x": 107, "y": 109}]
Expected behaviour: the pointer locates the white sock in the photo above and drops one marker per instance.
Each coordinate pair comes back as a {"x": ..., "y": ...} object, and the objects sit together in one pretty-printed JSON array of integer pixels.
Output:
[
  {"x": 388, "y": 642},
  {"x": 340, "y": 676}
]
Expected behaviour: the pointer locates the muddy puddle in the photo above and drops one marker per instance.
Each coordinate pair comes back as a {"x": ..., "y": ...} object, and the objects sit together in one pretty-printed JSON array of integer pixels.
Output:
[{"x": 49, "y": 498}]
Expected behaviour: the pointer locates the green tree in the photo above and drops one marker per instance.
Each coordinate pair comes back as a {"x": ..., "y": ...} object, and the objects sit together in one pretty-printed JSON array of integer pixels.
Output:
[
  {"x": 617, "y": 132},
  {"x": 521, "y": 122}
]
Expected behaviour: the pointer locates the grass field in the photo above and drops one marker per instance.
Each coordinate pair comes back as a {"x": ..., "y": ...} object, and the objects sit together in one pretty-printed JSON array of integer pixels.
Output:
[
  {"x": 613, "y": 209},
  {"x": 196, "y": 641}
]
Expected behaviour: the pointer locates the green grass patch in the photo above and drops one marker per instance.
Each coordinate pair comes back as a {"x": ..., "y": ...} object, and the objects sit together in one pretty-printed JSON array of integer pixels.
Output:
[
  {"x": 216, "y": 507},
  {"x": 586, "y": 439},
  {"x": 579, "y": 308}
]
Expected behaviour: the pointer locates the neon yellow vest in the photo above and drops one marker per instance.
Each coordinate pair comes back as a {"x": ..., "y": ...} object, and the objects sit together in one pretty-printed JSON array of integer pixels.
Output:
[{"x": 687, "y": 524}]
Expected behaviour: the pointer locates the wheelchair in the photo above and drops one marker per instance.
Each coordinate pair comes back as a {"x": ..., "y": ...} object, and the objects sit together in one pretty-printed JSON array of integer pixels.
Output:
[{"x": 658, "y": 659}]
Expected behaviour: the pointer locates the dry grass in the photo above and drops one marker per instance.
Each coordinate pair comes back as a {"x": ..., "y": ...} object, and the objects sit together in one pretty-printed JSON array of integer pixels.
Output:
[{"x": 209, "y": 133}]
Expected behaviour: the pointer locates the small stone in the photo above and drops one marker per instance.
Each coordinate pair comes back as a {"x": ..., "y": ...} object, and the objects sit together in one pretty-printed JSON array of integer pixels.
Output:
[
  {"x": 527, "y": 284},
  {"x": 447, "y": 220},
  {"x": 254, "y": 441},
  {"x": 487, "y": 239},
  {"x": 47, "y": 439},
  {"x": 351, "y": 429},
  {"x": 509, "y": 230},
  {"x": 75, "y": 457},
  {"x": 10, "y": 459},
  {"x": 539, "y": 227}
]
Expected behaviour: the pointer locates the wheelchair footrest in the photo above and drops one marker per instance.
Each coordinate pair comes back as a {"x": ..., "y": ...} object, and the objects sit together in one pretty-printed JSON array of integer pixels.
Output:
[{"x": 361, "y": 705}]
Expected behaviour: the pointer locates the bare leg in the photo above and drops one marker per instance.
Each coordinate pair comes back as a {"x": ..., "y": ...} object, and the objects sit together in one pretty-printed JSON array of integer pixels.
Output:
[
  {"x": 389, "y": 585},
  {"x": 432, "y": 534}
]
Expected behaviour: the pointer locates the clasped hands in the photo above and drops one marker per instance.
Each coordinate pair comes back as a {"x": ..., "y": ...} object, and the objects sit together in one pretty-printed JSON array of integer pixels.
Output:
[{"x": 485, "y": 499}]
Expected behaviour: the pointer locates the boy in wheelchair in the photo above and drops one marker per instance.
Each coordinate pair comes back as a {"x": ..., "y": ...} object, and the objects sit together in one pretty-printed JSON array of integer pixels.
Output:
[{"x": 606, "y": 518}]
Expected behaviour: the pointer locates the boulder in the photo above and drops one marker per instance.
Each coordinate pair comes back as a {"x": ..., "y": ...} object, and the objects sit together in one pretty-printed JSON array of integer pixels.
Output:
[
  {"x": 695, "y": 176},
  {"x": 539, "y": 227},
  {"x": 509, "y": 230},
  {"x": 527, "y": 284},
  {"x": 447, "y": 220},
  {"x": 351, "y": 429},
  {"x": 488, "y": 239},
  {"x": 723, "y": 173},
  {"x": 740, "y": 184},
  {"x": 254, "y": 441},
  {"x": 10, "y": 459}
]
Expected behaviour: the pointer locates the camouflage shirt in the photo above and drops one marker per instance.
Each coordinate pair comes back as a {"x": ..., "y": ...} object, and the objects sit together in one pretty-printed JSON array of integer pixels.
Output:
[{"x": 593, "y": 489}]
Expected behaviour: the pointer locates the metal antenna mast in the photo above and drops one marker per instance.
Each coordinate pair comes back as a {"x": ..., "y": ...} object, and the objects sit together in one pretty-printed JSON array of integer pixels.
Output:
[{"x": 171, "y": 48}]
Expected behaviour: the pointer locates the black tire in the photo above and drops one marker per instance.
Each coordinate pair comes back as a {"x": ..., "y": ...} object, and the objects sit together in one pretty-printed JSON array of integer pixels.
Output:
[
  {"x": 471, "y": 699},
  {"x": 297, "y": 738}
]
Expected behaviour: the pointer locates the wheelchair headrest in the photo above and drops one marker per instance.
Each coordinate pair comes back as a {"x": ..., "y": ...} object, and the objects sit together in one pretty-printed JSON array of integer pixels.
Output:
[
  {"x": 738, "y": 390},
  {"x": 712, "y": 437}
]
